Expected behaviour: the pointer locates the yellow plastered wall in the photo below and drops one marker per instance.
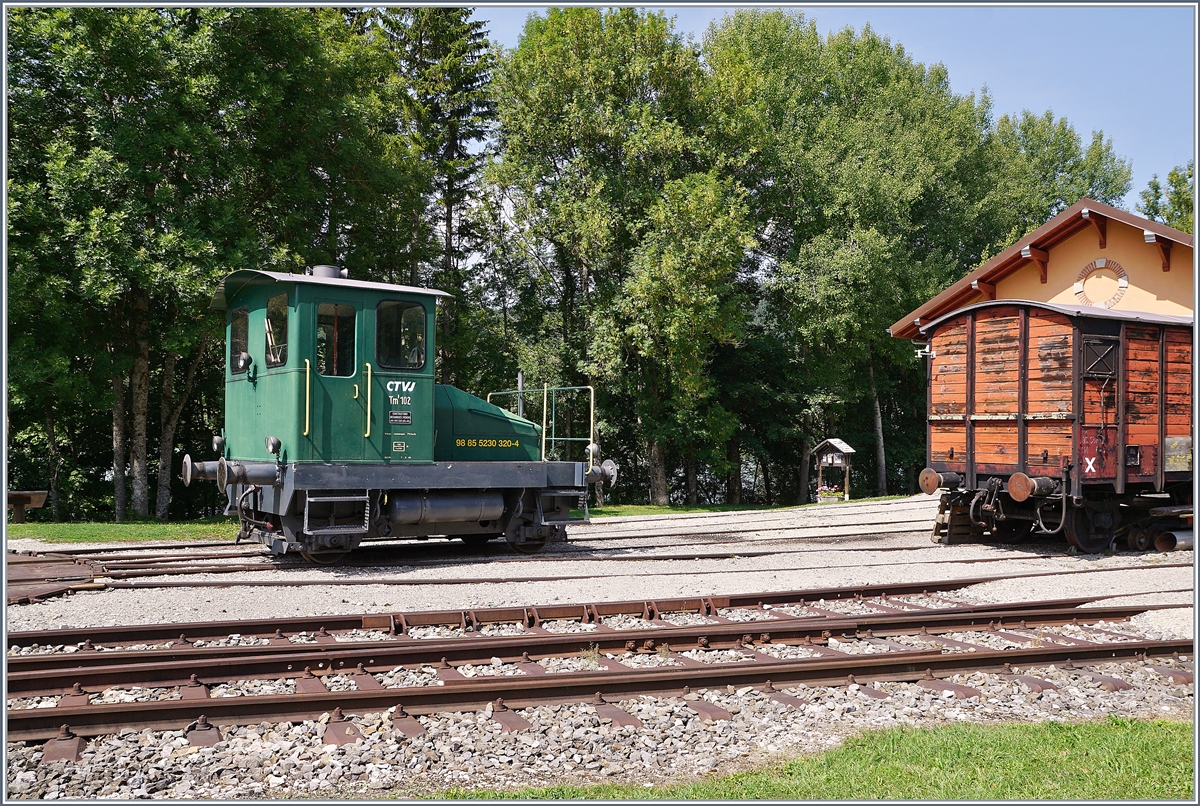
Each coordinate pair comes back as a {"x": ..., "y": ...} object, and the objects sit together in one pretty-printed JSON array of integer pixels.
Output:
[{"x": 1149, "y": 287}]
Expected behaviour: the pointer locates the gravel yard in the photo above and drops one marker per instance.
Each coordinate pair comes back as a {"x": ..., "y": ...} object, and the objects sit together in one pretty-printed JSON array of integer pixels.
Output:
[{"x": 572, "y": 742}]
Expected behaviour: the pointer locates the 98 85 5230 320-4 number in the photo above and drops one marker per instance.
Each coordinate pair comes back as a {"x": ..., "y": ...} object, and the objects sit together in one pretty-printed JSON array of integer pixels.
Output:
[{"x": 487, "y": 443}]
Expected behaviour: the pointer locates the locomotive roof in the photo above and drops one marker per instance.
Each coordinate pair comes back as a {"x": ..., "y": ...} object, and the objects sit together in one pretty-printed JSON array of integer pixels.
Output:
[
  {"x": 1086, "y": 311},
  {"x": 235, "y": 282}
]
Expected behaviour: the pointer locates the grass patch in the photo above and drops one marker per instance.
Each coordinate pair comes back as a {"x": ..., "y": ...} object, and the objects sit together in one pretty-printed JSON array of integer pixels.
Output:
[
  {"x": 1116, "y": 759},
  {"x": 618, "y": 510},
  {"x": 204, "y": 530}
]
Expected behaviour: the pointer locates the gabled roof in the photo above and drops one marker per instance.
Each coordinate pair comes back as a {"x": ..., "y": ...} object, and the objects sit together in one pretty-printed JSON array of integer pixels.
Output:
[
  {"x": 834, "y": 443},
  {"x": 1053, "y": 232},
  {"x": 235, "y": 282}
]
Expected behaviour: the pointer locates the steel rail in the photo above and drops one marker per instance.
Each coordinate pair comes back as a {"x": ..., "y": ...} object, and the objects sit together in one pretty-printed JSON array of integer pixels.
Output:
[
  {"x": 531, "y": 690},
  {"x": 148, "y": 633},
  {"x": 509, "y": 580},
  {"x": 56, "y": 674},
  {"x": 454, "y": 619}
]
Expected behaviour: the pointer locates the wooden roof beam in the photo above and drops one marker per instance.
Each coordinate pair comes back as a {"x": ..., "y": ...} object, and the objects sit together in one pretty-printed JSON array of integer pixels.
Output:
[
  {"x": 1039, "y": 256},
  {"x": 1164, "y": 247},
  {"x": 1098, "y": 222},
  {"x": 987, "y": 289}
]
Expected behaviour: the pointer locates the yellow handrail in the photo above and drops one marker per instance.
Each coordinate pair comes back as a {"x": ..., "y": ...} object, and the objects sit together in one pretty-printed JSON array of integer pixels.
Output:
[
  {"x": 307, "y": 395},
  {"x": 545, "y": 397},
  {"x": 368, "y": 401}
]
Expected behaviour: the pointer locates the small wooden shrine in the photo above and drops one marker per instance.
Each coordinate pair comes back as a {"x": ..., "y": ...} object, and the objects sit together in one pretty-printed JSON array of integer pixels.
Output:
[{"x": 834, "y": 453}]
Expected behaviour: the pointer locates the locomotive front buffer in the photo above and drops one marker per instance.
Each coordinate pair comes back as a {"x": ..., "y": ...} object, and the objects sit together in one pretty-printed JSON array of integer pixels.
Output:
[{"x": 335, "y": 431}]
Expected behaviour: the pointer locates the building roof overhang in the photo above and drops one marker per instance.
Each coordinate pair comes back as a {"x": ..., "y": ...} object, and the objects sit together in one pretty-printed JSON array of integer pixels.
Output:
[{"x": 1027, "y": 250}]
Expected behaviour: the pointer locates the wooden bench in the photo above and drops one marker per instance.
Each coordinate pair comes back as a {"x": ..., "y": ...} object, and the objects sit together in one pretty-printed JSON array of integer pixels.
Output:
[{"x": 19, "y": 500}]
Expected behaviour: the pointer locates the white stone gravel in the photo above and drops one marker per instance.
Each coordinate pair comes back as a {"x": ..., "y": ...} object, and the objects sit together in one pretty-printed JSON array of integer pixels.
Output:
[
  {"x": 565, "y": 742},
  {"x": 717, "y": 655},
  {"x": 560, "y": 626},
  {"x": 741, "y": 614},
  {"x": 570, "y": 743}
]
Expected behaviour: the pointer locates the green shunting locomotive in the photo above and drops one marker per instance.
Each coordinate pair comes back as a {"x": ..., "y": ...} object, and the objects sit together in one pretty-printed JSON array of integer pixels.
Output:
[{"x": 335, "y": 431}]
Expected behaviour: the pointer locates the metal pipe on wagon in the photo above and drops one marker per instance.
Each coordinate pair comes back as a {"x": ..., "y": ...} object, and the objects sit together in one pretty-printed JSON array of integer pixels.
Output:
[{"x": 1180, "y": 540}]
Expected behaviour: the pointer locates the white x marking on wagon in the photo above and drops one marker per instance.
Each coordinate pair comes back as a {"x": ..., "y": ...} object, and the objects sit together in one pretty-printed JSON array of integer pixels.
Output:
[{"x": 1091, "y": 465}]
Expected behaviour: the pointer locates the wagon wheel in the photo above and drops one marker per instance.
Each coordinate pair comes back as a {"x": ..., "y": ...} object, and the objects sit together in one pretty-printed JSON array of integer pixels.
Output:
[
  {"x": 1139, "y": 539},
  {"x": 1081, "y": 532},
  {"x": 1012, "y": 531},
  {"x": 323, "y": 557}
]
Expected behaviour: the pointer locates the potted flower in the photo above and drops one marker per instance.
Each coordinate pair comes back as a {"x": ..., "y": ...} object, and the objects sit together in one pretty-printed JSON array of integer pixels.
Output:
[{"x": 826, "y": 495}]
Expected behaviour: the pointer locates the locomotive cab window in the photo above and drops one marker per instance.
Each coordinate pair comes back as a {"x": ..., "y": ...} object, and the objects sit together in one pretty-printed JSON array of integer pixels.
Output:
[
  {"x": 335, "y": 339},
  {"x": 1100, "y": 358},
  {"x": 239, "y": 340},
  {"x": 277, "y": 330},
  {"x": 400, "y": 329}
]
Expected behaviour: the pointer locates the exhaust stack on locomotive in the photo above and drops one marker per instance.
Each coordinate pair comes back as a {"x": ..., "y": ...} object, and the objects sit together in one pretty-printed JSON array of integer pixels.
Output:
[{"x": 335, "y": 431}]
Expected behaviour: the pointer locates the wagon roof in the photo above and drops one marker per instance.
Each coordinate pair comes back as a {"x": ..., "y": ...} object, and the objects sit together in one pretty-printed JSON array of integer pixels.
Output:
[
  {"x": 241, "y": 278},
  {"x": 1053, "y": 232},
  {"x": 1085, "y": 311}
]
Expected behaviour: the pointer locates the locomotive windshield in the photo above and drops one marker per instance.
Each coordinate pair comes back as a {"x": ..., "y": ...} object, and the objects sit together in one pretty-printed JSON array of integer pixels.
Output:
[
  {"x": 239, "y": 338},
  {"x": 277, "y": 330},
  {"x": 401, "y": 335},
  {"x": 335, "y": 339}
]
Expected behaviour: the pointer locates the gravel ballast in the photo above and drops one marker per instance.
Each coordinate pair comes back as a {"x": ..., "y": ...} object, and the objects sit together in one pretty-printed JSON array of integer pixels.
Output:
[{"x": 572, "y": 743}]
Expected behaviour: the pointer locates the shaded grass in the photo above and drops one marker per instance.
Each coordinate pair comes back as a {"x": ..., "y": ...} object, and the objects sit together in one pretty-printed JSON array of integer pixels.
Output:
[
  {"x": 1115, "y": 759},
  {"x": 619, "y": 510},
  {"x": 204, "y": 530},
  {"x": 221, "y": 528}
]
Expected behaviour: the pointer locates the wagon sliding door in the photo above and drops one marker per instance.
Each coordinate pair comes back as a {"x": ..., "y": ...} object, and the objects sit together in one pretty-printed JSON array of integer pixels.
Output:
[
  {"x": 1049, "y": 415},
  {"x": 996, "y": 392}
]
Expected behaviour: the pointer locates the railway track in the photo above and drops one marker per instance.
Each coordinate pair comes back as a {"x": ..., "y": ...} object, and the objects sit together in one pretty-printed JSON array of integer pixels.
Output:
[{"x": 505, "y": 659}]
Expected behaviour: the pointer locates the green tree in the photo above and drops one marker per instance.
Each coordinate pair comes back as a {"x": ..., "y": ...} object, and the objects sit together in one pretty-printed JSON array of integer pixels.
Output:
[
  {"x": 1041, "y": 168},
  {"x": 1176, "y": 208},
  {"x": 679, "y": 300},
  {"x": 598, "y": 112},
  {"x": 155, "y": 150}
]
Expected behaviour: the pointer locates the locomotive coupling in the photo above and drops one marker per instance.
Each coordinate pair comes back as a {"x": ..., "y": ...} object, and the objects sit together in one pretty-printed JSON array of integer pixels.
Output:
[
  {"x": 931, "y": 481},
  {"x": 206, "y": 471},
  {"x": 605, "y": 472},
  {"x": 1022, "y": 487},
  {"x": 229, "y": 472}
]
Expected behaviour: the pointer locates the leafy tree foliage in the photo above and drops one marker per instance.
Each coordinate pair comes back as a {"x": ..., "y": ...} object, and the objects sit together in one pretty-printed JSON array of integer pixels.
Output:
[
  {"x": 1175, "y": 207},
  {"x": 714, "y": 235}
]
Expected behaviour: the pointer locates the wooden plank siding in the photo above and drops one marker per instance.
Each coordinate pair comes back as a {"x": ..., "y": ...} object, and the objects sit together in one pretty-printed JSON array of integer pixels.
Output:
[
  {"x": 1143, "y": 370},
  {"x": 948, "y": 369},
  {"x": 1179, "y": 383},
  {"x": 1050, "y": 383},
  {"x": 997, "y": 362}
]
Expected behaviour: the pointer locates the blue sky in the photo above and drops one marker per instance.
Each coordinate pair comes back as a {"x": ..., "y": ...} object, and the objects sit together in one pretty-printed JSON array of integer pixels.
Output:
[{"x": 1128, "y": 71}]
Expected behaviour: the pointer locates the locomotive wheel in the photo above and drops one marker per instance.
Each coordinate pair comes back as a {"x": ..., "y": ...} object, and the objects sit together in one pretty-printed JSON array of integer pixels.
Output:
[
  {"x": 1081, "y": 532},
  {"x": 528, "y": 547},
  {"x": 1012, "y": 531},
  {"x": 476, "y": 541},
  {"x": 324, "y": 557}
]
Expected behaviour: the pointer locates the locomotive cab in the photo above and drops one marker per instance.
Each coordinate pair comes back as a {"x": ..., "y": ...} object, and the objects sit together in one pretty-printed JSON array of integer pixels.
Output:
[{"x": 336, "y": 432}]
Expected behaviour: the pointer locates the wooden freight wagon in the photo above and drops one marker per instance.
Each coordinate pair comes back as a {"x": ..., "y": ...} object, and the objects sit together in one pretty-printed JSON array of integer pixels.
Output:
[{"x": 1071, "y": 419}]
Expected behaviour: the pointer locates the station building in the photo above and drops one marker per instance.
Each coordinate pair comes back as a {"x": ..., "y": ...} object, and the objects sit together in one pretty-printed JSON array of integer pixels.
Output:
[{"x": 1091, "y": 254}]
